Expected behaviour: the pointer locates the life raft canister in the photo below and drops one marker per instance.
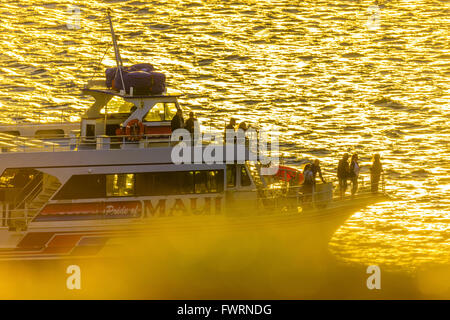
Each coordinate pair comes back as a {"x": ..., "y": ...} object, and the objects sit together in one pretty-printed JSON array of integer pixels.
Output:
[{"x": 134, "y": 130}]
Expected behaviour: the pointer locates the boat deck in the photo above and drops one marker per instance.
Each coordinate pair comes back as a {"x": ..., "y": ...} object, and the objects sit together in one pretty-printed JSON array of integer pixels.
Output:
[{"x": 11, "y": 143}]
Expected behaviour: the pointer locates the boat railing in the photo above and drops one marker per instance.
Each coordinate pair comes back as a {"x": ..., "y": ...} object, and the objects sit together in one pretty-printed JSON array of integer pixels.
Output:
[
  {"x": 364, "y": 183},
  {"x": 55, "y": 116},
  {"x": 10, "y": 143},
  {"x": 73, "y": 142},
  {"x": 317, "y": 198},
  {"x": 17, "y": 219}
]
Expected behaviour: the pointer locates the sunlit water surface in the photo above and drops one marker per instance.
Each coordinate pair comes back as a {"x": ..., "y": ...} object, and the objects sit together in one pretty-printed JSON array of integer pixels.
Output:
[{"x": 332, "y": 76}]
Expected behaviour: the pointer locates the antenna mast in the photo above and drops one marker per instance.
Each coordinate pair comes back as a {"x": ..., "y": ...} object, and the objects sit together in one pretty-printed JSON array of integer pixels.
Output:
[{"x": 116, "y": 48}]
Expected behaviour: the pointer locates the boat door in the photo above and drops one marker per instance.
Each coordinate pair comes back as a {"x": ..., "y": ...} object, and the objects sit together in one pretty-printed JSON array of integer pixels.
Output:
[
  {"x": 241, "y": 196},
  {"x": 88, "y": 128}
]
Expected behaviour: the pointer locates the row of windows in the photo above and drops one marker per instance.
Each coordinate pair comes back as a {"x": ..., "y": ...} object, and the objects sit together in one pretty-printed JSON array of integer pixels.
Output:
[
  {"x": 231, "y": 176},
  {"x": 161, "y": 111},
  {"x": 141, "y": 184}
]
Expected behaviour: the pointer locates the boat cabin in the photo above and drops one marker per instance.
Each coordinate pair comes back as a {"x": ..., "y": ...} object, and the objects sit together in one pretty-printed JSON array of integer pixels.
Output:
[{"x": 113, "y": 113}]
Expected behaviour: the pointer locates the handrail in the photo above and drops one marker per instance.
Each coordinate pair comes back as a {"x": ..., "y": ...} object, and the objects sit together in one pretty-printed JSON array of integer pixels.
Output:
[
  {"x": 9, "y": 143},
  {"x": 26, "y": 193}
]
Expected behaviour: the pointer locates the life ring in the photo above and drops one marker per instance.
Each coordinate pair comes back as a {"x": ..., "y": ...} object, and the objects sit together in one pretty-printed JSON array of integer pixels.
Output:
[{"x": 134, "y": 130}]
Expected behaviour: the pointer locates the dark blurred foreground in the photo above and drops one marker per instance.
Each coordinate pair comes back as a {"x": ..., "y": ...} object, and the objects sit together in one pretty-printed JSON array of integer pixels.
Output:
[{"x": 275, "y": 263}]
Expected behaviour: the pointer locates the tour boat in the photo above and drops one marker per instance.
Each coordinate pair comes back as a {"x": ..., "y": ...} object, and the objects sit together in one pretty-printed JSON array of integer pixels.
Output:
[{"x": 70, "y": 191}]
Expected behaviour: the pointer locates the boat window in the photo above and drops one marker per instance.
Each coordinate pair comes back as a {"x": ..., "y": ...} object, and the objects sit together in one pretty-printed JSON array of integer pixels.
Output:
[
  {"x": 161, "y": 112},
  {"x": 156, "y": 113},
  {"x": 170, "y": 110},
  {"x": 87, "y": 186},
  {"x": 200, "y": 181},
  {"x": 179, "y": 182},
  {"x": 245, "y": 178},
  {"x": 141, "y": 184},
  {"x": 185, "y": 182},
  {"x": 16, "y": 178},
  {"x": 120, "y": 185},
  {"x": 111, "y": 129},
  {"x": 164, "y": 183},
  {"x": 6, "y": 180},
  {"x": 118, "y": 105},
  {"x": 213, "y": 181},
  {"x": 49, "y": 133},
  {"x": 11, "y": 133},
  {"x": 231, "y": 175},
  {"x": 182, "y": 182},
  {"x": 90, "y": 130}
]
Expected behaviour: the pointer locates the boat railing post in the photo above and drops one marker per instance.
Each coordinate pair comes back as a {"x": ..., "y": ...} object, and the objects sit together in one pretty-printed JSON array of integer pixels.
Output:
[
  {"x": 313, "y": 195},
  {"x": 103, "y": 142},
  {"x": 3, "y": 214},
  {"x": 22, "y": 216},
  {"x": 72, "y": 141},
  {"x": 7, "y": 215},
  {"x": 361, "y": 183},
  {"x": 142, "y": 143}
]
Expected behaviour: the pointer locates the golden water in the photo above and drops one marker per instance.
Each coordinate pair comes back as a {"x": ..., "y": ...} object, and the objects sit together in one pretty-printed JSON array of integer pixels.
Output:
[{"x": 332, "y": 76}]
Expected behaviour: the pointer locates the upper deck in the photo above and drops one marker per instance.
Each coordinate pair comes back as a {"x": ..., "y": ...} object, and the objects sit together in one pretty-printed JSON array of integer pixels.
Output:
[
  {"x": 102, "y": 91},
  {"x": 97, "y": 128},
  {"x": 101, "y": 134}
]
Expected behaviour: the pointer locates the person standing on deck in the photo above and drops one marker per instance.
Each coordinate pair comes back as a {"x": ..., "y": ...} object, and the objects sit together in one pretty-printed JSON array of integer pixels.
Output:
[
  {"x": 243, "y": 125},
  {"x": 308, "y": 183},
  {"x": 243, "y": 128},
  {"x": 192, "y": 126},
  {"x": 230, "y": 130},
  {"x": 315, "y": 167},
  {"x": 191, "y": 123},
  {"x": 231, "y": 125},
  {"x": 354, "y": 173},
  {"x": 177, "y": 121},
  {"x": 375, "y": 173},
  {"x": 343, "y": 173}
]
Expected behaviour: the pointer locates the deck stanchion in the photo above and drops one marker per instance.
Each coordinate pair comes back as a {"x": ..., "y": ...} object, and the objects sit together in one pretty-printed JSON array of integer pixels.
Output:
[
  {"x": 313, "y": 196},
  {"x": 103, "y": 142},
  {"x": 7, "y": 215},
  {"x": 72, "y": 141}
]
